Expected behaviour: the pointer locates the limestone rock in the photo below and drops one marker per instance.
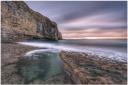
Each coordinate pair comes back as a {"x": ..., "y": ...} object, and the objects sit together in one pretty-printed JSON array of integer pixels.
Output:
[{"x": 19, "y": 22}]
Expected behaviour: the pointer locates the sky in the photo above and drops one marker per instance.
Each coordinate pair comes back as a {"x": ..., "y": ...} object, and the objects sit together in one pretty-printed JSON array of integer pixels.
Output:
[{"x": 86, "y": 19}]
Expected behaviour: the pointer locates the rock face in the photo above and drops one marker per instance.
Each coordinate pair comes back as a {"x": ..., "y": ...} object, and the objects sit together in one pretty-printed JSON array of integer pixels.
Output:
[
  {"x": 19, "y": 22},
  {"x": 84, "y": 68}
]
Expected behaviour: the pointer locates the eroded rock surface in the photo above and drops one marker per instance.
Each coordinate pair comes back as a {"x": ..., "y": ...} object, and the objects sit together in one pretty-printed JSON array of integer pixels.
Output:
[
  {"x": 19, "y": 22},
  {"x": 83, "y": 68}
]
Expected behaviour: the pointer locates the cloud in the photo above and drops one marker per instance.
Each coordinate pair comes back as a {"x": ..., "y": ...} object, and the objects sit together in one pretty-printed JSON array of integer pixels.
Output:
[
  {"x": 94, "y": 33},
  {"x": 86, "y": 18},
  {"x": 87, "y": 9},
  {"x": 101, "y": 21}
]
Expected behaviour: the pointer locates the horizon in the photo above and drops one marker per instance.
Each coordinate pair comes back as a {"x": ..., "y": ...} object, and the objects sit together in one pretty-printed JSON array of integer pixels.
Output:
[
  {"x": 108, "y": 38},
  {"x": 86, "y": 19}
]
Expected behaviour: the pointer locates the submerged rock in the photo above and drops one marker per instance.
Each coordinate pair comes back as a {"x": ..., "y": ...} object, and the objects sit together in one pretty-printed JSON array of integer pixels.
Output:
[
  {"x": 19, "y": 22},
  {"x": 39, "y": 64}
]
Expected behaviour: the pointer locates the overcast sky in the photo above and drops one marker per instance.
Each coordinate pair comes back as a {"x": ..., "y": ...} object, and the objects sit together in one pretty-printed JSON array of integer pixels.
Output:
[{"x": 85, "y": 19}]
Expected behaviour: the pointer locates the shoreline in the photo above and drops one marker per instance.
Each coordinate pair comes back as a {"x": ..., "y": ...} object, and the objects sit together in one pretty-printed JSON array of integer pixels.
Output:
[
  {"x": 73, "y": 65},
  {"x": 105, "y": 52}
]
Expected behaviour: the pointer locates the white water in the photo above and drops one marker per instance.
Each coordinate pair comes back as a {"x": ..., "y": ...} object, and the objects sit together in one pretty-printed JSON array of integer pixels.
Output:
[{"x": 101, "y": 52}]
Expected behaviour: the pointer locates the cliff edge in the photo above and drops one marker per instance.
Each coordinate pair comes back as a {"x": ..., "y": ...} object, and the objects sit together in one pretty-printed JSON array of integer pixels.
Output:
[{"x": 19, "y": 22}]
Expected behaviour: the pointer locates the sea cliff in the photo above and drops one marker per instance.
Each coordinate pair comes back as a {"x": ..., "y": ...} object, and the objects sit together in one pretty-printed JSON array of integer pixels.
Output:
[{"x": 19, "y": 22}]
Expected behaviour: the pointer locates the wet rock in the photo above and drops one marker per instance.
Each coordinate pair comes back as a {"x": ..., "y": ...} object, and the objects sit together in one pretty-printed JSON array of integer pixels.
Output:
[{"x": 19, "y": 22}]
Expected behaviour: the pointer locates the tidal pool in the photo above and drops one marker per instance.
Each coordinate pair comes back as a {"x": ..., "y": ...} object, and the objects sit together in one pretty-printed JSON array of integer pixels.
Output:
[{"x": 40, "y": 64}]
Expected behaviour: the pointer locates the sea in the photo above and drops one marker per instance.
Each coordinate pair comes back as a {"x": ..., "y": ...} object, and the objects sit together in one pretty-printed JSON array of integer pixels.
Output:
[{"x": 115, "y": 49}]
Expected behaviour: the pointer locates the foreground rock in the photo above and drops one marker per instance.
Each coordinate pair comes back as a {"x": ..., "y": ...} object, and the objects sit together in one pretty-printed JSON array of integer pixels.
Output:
[
  {"x": 33, "y": 68},
  {"x": 83, "y": 68},
  {"x": 19, "y": 22},
  {"x": 10, "y": 54}
]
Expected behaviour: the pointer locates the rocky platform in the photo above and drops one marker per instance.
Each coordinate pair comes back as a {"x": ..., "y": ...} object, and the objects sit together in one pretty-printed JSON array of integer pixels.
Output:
[
  {"x": 16, "y": 68},
  {"x": 79, "y": 68},
  {"x": 10, "y": 55},
  {"x": 83, "y": 68}
]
